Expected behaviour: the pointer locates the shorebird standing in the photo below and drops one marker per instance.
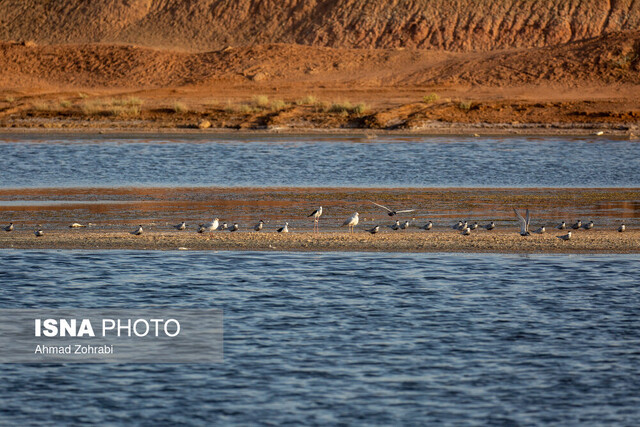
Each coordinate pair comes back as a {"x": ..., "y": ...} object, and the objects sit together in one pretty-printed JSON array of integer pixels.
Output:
[
  {"x": 405, "y": 225},
  {"x": 38, "y": 232},
  {"x": 259, "y": 226},
  {"x": 474, "y": 226},
  {"x": 577, "y": 225},
  {"x": 374, "y": 230},
  {"x": 428, "y": 226},
  {"x": 466, "y": 231},
  {"x": 524, "y": 223},
  {"x": 565, "y": 237},
  {"x": 76, "y": 225},
  {"x": 234, "y": 227},
  {"x": 284, "y": 229},
  {"x": 9, "y": 227},
  {"x": 588, "y": 226},
  {"x": 541, "y": 230},
  {"x": 457, "y": 226},
  {"x": 351, "y": 222},
  {"x": 138, "y": 231},
  {"x": 180, "y": 226},
  {"x": 209, "y": 226},
  {"x": 392, "y": 212},
  {"x": 622, "y": 228},
  {"x": 490, "y": 226},
  {"x": 562, "y": 226},
  {"x": 316, "y": 218},
  {"x": 223, "y": 226},
  {"x": 396, "y": 225}
]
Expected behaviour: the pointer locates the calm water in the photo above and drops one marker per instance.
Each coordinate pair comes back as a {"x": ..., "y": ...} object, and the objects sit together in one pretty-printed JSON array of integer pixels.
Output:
[
  {"x": 107, "y": 161},
  {"x": 346, "y": 338}
]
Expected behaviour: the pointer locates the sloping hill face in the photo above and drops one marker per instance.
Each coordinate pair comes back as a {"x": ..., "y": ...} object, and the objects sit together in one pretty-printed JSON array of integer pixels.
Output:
[{"x": 205, "y": 25}]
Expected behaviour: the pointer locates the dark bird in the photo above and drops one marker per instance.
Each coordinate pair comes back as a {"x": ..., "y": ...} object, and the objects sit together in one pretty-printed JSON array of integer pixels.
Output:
[{"x": 392, "y": 212}]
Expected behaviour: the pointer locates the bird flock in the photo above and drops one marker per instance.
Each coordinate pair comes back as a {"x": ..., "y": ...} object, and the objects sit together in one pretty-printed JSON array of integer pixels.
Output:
[{"x": 463, "y": 227}]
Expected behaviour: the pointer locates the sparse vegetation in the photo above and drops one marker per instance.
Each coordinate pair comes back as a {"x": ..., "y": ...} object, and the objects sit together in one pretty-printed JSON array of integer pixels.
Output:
[
  {"x": 432, "y": 97},
  {"x": 180, "y": 107},
  {"x": 128, "y": 102},
  {"x": 278, "y": 105},
  {"x": 65, "y": 104},
  {"x": 465, "y": 105},
  {"x": 44, "y": 106},
  {"x": 307, "y": 100},
  {"x": 347, "y": 108},
  {"x": 9, "y": 99},
  {"x": 110, "y": 107},
  {"x": 261, "y": 101},
  {"x": 83, "y": 95}
]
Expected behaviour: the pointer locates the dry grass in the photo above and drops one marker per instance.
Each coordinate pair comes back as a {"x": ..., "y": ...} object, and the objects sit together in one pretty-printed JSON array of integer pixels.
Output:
[
  {"x": 180, "y": 107},
  {"x": 347, "y": 108},
  {"x": 9, "y": 99},
  {"x": 432, "y": 97},
  {"x": 261, "y": 101},
  {"x": 307, "y": 100}
]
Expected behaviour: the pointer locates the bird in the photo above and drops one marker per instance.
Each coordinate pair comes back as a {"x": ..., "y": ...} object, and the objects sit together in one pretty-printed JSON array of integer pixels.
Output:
[
  {"x": 374, "y": 230},
  {"x": 428, "y": 226},
  {"x": 138, "y": 231},
  {"x": 9, "y": 227},
  {"x": 405, "y": 225},
  {"x": 541, "y": 230},
  {"x": 577, "y": 225},
  {"x": 562, "y": 226},
  {"x": 524, "y": 223},
  {"x": 396, "y": 225},
  {"x": 588, "y": 226},
  {"x": 457, "y": 226},
  {"x": 222, "y": 227},
  {"x": 351, "y": 222},
  {"x": 209, "y": 226},
  {"x": 180, "y": 226},
  {"x": 466, "y": 231},
  {"x": 284, "y": 229},
  {"x": 234, "y": 227},
  {"x": 392, "y": 212},
  {"x": 258, "y": 226},
  {"x": 76, "y": 225},
  {"x": 622, "y": 228},
  {"x": 474, "y": 226},
  {"x": 565, "y": 237},
  {"x": 316, "y": 218},
  {"x": 490, "y": 226},
  {"x": 38, "y": 232}
]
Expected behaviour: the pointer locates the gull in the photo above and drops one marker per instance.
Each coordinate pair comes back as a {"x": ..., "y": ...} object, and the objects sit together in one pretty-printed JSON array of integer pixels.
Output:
[
  {"x": 38, "y": 233},
  {"x": 474, "y": 226},
  {"x": 391, "y": 211},
  {"x": 76, "y": 225},
  {"x": 577, "y": 225},
  {"x": 428, "y": 226},
  {"x": 284, "y": 229},
  {"x": 138, "y": 231},
  {"x": 223, "y": 226},
  {"x": 466, "y": 231},
  {"x": 258, "y": 226},
  {"x": 622, "y": 228},
  {"x": 405, "y": 225},
  {"x": 316, "y": 217},
  {"x": 374, "y": 230},
  {"x": 562, "y": 226},
  {"x": 351, "y": 222},
  {"x": 541, "y": 230},
  {"x": 209, "y": 226},
  {"x": 9, "y": 227},
  {"x": 490, "y": 226},
  {"x": 524, "y": 223},
  {"x": 180, "y": 226},
  {"x": 588, "y": 226},
  {"x": 395, "y": 226},
  {"x": 565, "y": 237},
  {"x": 234, "y": 227}
]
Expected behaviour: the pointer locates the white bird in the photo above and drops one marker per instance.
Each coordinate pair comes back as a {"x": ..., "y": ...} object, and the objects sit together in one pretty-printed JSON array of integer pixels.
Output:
[
  {"x": 180, "y": 226},
  {"x": 138, "y": 231},
  {"x": 393, "y": 212},
  {"x": 9, "y": 227},
  {"x": 351, "y": 222},
  {"x": 524, "y": 223},
  {"x": 490, "y": 226},
  {"x": 541, "y": 230},
  {"x": 209, "y": 226},
  {"x": 396, "y": 225},
  {"x": 466, "y": 231},
  {"x": 474, "y": 226},
  {"x": 38, "y": 233},
  {"x": 405, "y": 225},
  {"x": 284, "y": 229},
  {"x": 234, "y": 227},
  {"x": 588, "y": 226},
  {"x": 259, "y": 226},
  {"x": 428, "y": 226},
  {"x": 622, "y": 228},
  {"x": 374, "y": 230},
  {"x": 222, "y": 227},
  {"x": 565, "y": 237},
  {"x": 562, "y": 226},
  {"x": 316, "y": 218},
  {"x": 577, "y": 225},
  {"x": 76, "y": 225}
]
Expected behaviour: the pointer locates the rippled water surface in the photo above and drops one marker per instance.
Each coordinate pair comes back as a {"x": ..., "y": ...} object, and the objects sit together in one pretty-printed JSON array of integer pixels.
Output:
[
  {"x": 346, "y": 338},
  {"x": 76, "y": 161}
]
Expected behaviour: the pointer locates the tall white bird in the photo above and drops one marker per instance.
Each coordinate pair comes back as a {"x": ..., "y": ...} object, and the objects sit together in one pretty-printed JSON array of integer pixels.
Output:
[
  {"x": 38, "y": 232},
  {"x": 234, "y": 227},
  {"x": 284, "y": 229},
  {"x": 180, "y": 226},
  {"x": 428, "y": 226},
  {"x": 524, "y": 223},
  {"x": 351, "y": 222},
  {"x": 392, "y": 212},
  {"x": 9, "y": 227},
  {"x": 138, "y": 231},
  {"x": 209, "y": 226},
  {"x": 316, "y": 218},
  {"x": 565, "y": 237},
  {"x": 622, "y": 228},
  {"x": 259, "y": 226}
]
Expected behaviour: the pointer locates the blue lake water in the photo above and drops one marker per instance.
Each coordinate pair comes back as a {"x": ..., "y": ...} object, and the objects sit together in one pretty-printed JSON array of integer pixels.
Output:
[
  {"x": 386, "y": 161},
  {"x": 352, "y": 338}
]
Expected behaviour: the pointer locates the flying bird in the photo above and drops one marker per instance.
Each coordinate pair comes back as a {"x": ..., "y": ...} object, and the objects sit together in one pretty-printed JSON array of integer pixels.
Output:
[
  {"x": 316, "y": 218},
  {"x": 524, "y": 223},
  {"x": 392, "y": 212},
  {"x": 351, "y": 222}
]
